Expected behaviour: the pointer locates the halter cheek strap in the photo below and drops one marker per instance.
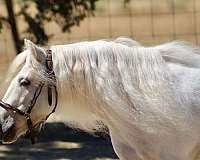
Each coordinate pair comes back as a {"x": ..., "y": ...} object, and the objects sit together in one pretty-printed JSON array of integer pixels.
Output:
[
  {"x": 49, "y": 66},
  {"x": 13, "y": 110},
  {"x": 49, "y": 95}
]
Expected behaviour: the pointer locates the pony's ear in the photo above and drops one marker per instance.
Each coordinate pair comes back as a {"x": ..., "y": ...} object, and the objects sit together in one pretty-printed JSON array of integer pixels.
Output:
[{"x": 36, "y": 51}]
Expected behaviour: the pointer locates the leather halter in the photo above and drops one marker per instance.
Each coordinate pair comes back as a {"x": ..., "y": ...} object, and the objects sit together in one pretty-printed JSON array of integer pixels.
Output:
[{"x": 12, "y": 110}]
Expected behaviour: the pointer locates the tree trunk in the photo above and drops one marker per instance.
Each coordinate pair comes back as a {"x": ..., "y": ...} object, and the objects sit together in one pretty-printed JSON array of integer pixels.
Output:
[{"x": 12, "y": 22}]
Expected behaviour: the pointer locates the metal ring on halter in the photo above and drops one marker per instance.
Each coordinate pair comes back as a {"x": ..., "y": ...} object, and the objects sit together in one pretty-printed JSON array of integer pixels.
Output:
[{"x": 15, "y": 110}]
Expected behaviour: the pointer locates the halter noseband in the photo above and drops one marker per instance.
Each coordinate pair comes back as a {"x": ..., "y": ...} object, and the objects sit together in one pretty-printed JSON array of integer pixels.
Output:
[{"x": 26, "y": 114}]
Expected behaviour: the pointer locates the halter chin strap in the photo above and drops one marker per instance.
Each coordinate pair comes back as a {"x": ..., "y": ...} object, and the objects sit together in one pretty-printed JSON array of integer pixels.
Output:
[{"x": 12, "y": 110}]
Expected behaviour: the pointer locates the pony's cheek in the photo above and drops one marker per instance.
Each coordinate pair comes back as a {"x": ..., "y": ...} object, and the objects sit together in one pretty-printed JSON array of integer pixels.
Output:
[
  {"x": 24, "y": 96},
  {"x": 24, "y": 100}
]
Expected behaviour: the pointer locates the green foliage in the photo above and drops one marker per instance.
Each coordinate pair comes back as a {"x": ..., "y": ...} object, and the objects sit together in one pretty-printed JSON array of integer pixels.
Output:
[{"x": 66, "y": 13}]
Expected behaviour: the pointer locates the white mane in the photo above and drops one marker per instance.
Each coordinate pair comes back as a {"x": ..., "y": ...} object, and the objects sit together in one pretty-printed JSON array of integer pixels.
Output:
[
  {"x": 144, "y": 95},
  {"x": 93, "y": 76},
  {"x": 183, "y": 53}
]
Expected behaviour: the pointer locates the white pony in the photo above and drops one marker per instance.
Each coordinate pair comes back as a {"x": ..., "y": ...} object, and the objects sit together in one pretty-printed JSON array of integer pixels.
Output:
[{"x": 147, "y": 97}]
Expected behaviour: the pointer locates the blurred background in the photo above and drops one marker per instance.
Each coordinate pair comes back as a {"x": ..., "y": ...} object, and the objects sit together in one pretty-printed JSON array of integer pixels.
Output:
[{"x": 48, "y": 22}]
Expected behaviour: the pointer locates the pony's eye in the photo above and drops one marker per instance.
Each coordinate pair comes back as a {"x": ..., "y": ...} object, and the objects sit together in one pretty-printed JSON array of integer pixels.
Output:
[{"x": 24, "y": 82}]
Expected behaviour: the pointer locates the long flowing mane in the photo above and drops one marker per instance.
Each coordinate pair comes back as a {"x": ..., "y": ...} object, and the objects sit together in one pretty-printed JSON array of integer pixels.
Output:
[
  {"x": 100, "y": 77},
  {"x": 183, "y": 53},
  {"x": 143, "y": 95}
]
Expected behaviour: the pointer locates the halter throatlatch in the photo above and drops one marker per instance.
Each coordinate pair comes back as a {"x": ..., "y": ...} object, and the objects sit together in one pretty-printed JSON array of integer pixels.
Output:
[{"x": 12, "y": 110}]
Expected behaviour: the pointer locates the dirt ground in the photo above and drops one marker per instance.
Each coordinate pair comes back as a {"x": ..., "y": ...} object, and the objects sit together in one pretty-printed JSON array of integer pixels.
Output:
[{"x": 57, "y": 142}]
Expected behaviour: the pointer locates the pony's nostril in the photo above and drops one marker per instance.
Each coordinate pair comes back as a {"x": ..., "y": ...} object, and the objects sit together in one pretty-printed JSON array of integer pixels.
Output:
[{"x": 7, "y": 125}]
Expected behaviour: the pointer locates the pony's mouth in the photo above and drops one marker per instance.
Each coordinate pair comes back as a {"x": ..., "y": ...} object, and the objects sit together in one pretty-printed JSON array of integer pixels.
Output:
[
  {"x": 10, "y": 137},
  {"x": 13, "y": 135}
]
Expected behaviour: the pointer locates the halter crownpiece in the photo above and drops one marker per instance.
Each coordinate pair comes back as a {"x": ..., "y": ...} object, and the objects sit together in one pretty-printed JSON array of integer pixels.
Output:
[{"x": 12, "y": 109}]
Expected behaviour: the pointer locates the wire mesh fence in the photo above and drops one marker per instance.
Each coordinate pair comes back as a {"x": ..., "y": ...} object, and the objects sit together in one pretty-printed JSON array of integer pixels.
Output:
[{"x": 148, "y": 21}]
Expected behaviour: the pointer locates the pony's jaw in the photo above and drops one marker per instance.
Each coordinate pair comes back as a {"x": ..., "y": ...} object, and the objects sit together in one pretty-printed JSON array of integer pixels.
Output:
[{"x": 9, "y": 137}]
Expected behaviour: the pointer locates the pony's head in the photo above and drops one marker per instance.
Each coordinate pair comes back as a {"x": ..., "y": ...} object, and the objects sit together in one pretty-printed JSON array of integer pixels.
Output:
[{"x": 31, "y": 76}]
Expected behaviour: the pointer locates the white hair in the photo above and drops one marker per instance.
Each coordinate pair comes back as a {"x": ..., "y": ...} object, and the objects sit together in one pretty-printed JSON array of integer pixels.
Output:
[
  {"x": 106, "y": 74},
  {"x": 183, "y": 53},
  {"x": 136, "y": 91}
]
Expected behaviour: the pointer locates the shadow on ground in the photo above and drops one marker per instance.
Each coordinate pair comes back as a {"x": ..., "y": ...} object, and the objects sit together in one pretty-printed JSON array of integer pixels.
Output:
[{"x": 57, "y": 142}]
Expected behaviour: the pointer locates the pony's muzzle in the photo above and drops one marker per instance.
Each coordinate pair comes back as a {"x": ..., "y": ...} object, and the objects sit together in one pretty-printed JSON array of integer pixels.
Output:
[{"x": 7, "y": 124}]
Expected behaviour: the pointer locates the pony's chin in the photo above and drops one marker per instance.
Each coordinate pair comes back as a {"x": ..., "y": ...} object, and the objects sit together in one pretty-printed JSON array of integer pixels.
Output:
[
  {"x": 11, "y": 138},
  {"x": 15, "y": 134},
  {"x": 8, "y": 139}
]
